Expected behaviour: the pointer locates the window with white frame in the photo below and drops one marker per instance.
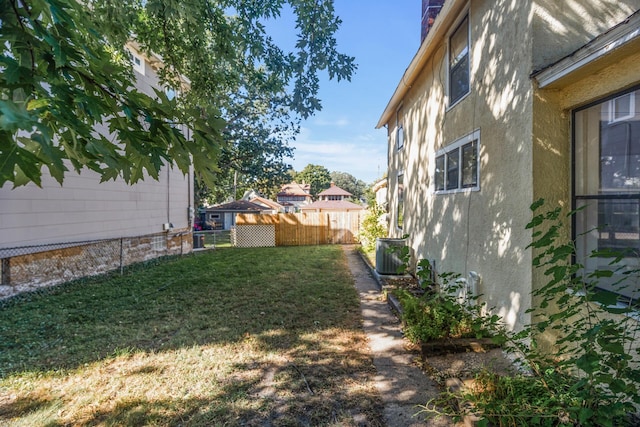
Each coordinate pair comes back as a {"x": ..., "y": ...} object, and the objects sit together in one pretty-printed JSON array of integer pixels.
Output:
[
  {"x": 399, "y": 129},
  {"x": 606, "y": 139},
  {"x": 457, "y": 165},
  {"x": 459, "y": 62},
  {"x": 137, "y": 61}
]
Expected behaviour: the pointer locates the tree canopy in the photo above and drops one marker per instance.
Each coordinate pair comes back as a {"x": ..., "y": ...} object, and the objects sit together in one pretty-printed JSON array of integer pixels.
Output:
[
  {"x": 350, "y": 183},
  {"x": 318, "y": 177},
  {"x": 65, "y": 73}
]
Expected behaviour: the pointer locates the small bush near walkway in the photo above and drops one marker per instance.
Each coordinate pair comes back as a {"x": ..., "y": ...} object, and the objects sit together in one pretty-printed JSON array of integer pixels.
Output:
[{"x": 266, "y": 336}]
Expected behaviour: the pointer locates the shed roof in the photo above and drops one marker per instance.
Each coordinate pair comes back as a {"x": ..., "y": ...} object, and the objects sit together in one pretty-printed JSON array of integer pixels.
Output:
[{"x": 237, "y": 206}]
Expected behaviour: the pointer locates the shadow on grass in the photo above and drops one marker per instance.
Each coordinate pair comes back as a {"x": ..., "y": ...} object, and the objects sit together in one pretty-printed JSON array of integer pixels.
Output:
[{"x": 298, "y": 303}]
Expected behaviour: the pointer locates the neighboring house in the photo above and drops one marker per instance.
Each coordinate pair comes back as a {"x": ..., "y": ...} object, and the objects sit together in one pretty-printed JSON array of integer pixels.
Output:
[
  {"x": 293, "y": 196},
  {"x": 334, "y": 193},
  {"x": 56, "y": 233},
  {"x": 380, "y": 190},
  {"x": 333, "y": 199},
  {"x": 268, "y": 204},
  {"x": 223, "y": 217},
  {"x": 504, "y": 104}
]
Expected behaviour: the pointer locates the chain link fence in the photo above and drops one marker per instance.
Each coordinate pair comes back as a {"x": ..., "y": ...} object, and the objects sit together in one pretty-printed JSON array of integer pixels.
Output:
[{"x": 30, "y": 268}]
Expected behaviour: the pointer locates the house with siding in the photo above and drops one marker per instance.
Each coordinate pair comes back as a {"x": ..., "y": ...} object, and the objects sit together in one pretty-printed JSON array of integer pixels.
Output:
[
  {"x": 223, "y": 216},
  {"x": 333, "y": 199},
  {"x": 505, "y": 103},
  {"x": 294, "y": 195},
  {"x": 55, "y": 233}
]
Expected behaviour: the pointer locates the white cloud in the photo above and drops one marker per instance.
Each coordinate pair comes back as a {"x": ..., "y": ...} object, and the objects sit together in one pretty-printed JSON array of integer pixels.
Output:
[
  {"x": 364, "y": 156},
  {"x": 342, "y": 122}
]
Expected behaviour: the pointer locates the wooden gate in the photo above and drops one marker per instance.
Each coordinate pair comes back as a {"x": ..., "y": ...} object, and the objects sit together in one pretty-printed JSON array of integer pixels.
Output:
[{"x": 308, "y": 228}]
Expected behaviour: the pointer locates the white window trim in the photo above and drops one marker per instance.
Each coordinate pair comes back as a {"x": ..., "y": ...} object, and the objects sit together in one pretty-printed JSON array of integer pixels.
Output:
[
  {"x": 464, "y": 14},
  {"x": 399, "y": 128},
  {"x": 458, "y": 144},
  {"x": 632, "y": 108},
  {"x": 137, "y": 67},
  {"x": 399, "y": 137}
]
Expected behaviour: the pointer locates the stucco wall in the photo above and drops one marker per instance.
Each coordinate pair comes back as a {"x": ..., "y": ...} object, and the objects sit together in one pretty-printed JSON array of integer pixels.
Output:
[
  {"x": 561, "y": 27},
  {"x": 552, "y": 130},
  {"x": 481, "y": 231}
]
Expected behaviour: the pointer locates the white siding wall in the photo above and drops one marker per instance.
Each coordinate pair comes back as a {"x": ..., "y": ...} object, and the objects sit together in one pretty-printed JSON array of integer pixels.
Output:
[{"x": 85, "y": 209}]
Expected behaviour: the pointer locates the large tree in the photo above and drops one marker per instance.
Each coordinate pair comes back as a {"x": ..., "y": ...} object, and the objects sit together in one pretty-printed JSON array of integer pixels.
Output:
[
  {"x": 350, "y": 183},
  {"x": 317, "y": 176},
  {"x": 65, "y": 72}
]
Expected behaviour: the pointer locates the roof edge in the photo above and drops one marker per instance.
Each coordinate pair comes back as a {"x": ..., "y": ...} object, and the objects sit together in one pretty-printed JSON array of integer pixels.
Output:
[
  {"x": 445, "y": 18},
  {"x": 616, "y": 37}
]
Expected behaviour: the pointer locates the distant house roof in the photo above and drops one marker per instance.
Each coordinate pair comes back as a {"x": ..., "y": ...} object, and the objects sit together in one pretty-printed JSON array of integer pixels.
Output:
[
  {"x": 334, "y": 190},
  {"x": 332, "y": 205},
  {"x": 266, "y": 202},
  {"x": 238, "y": 206},
  {"x": 382, "y": 183},
  {"x": 295, "y": 189}
]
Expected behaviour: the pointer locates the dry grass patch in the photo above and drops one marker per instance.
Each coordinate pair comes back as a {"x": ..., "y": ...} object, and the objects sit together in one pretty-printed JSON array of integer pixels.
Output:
[{"x": 257, "y": 337}]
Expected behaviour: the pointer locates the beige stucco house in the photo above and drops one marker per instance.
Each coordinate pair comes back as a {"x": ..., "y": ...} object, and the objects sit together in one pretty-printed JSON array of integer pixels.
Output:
[
  {"x": 56, "y": 233},
  {"x": 506, "y": 102}
]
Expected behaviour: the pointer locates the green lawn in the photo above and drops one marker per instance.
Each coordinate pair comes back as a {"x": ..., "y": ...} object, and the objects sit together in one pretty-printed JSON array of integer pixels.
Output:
[{"x": 258, "y": 337}]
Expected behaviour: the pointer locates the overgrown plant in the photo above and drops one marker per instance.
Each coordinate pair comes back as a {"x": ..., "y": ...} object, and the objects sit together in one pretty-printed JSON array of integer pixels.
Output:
[
  {"x": 444, "y": 310},
  {"x": 371, "y": 227},
  {"x": 590, "y": 377}
]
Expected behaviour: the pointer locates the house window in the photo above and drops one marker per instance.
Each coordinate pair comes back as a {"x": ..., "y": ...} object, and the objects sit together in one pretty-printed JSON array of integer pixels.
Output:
[
  {"x": 214, "y": 216},
  {"x": 607, "y": 186},
  {"x": 399, "y": 130},
  {"x": 457, "y": 165},
  {"x": 400, "y": 213},
  {"x": 459, "y": 62},
  {"x": 137, "y": 61},
  {"x": 622, "y": 108}
]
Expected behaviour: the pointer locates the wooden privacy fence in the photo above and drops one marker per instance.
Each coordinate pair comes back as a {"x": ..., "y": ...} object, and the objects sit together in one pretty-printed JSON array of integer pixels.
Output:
[{"x": 308, "y": 228}]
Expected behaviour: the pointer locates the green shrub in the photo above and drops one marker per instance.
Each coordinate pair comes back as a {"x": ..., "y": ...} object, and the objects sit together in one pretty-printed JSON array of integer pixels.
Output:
[
  {"x": 371, "y": 227},
  {"x": 591, "y": 376},
  {"x": 439, "y": 313}
]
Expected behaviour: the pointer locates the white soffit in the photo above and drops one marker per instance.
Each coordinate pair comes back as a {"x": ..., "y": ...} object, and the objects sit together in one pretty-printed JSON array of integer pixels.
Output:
[{"x": 620, "y": 36}]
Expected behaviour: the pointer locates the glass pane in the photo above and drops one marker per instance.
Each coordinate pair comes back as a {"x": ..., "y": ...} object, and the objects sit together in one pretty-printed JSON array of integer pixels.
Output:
[
  {"x": 452, "y": 169},
  {"x": 459, "y": 79},
  {"x": 439, "y": 175},
  {"x": 459, "y": 43},
  {"x": 620, "y": 155},
  {"x": 607, "y": 164},
  {"x": 400, "y": 137},
  {"x": 622, "y": 107},
  {"x": 470, "y": 165},
  {"x": 618, "y": 224}
]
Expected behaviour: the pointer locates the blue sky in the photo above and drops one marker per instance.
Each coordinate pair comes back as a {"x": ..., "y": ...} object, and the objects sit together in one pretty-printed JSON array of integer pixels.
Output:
[{"x": 383, "y": 36}]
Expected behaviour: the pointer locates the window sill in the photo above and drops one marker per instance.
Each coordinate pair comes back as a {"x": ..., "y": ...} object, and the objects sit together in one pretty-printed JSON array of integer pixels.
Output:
[
  {"x": 458, "y": 190},
  {"x": 452, "y": 106}
]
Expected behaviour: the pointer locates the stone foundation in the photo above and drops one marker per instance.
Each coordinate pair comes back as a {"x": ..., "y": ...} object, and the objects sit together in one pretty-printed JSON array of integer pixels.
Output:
[{"x": 52, "y": 265}]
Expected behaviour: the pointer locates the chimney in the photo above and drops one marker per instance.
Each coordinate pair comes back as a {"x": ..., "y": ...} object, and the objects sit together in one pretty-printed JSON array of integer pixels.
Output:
[{"x": 430, "y": 10}]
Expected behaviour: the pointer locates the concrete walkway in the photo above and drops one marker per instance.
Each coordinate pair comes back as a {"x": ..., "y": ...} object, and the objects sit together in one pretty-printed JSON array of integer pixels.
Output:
[{"x": 400, "y": 381}]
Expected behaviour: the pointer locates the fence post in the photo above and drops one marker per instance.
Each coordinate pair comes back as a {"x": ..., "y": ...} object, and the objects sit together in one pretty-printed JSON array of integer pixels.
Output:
[
  {"x": 121, "y": 256},
  {"x": 6, "y": 272}
]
